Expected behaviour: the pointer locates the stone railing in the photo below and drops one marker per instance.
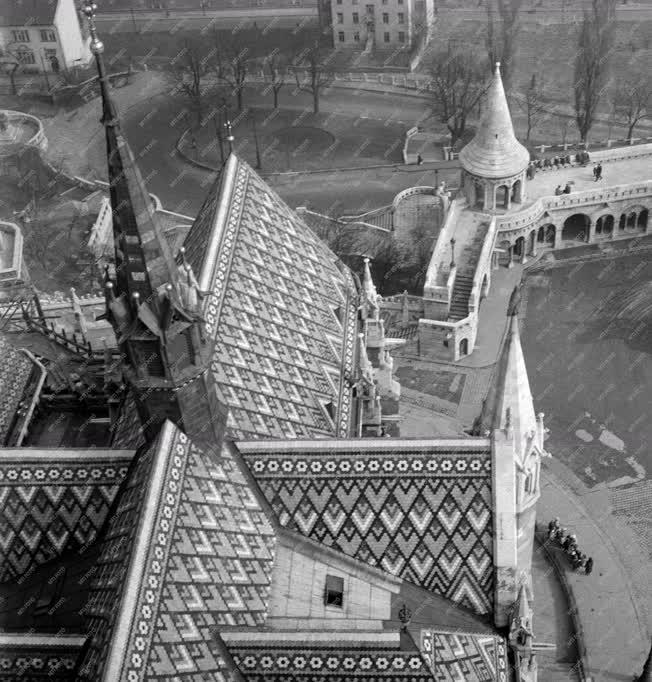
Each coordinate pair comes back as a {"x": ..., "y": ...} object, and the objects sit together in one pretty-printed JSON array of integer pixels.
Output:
[
  {"x": 576, "y": 199},
  {"x": 440, "y": 277},
  {"x": 10, "y": 268},
  {"x": 382, "y": 218},
  {"x": 38, "y": 139},
  {"x": 484, "y": 265}
]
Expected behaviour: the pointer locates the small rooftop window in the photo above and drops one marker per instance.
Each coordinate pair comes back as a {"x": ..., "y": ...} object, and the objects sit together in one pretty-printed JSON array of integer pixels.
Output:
[{"x": 334, "y": 592}]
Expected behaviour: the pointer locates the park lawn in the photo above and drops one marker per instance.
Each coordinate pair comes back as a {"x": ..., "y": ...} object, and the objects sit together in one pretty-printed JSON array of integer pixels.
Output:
[{"x": 301, "y": 140}]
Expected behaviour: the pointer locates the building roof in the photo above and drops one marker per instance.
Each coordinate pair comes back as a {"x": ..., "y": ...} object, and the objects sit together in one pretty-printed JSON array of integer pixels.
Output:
[
  {"x": 27, "y": 12},
  {"x": 53, "y": 501},
  {"x": 455, "y": 655},
  {"x": 495, "y": 152},
  {"x": 18, "y": 386},
  {"x": 420, "y": 510},
  {"x": 281, "y": 311},
  {"x": 188, "y": 551}
]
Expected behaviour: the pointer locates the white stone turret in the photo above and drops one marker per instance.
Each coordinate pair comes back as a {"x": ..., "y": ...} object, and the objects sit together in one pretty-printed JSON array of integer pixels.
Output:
[{"x": 494, "y": 162}]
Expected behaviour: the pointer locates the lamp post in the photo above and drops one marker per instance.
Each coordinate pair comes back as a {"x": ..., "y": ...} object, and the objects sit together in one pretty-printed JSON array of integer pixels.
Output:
[
  {"x": 253, "y": 123},
  {"x": 229, "y": 135}
]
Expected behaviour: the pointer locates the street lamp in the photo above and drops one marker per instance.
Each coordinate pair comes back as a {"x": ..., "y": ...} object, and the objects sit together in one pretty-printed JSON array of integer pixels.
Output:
[{"x": 229, "y": 135}]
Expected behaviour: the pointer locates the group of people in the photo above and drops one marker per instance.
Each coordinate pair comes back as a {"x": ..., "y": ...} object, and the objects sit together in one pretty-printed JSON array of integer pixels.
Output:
[
  {"x": 568, "y": 542},
  {"x": 597, "y": 171},
  {"x": 565, "y": 190}
]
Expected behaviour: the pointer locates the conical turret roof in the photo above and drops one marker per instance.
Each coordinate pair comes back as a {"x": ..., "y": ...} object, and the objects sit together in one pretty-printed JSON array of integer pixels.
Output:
[{"x": 495, "y": 152}]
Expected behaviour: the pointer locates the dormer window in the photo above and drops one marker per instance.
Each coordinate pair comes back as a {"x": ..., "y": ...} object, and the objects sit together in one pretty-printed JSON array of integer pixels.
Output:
[{"x": 334, "y": 591}]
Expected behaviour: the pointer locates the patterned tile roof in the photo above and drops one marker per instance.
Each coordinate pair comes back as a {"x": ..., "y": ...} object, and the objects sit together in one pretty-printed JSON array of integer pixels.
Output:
[
  {"x": 464, "y": 656},
  {"x": 52, "y": 501},
  {"x": 15, "y": 372},
  {"x": 32, "y": 657},
  {"x": 420, "y": 510},
  {"x": 188, "y": 552},
  {"x": 282, "y": 314},
  {"x": 332, "y": 661}
]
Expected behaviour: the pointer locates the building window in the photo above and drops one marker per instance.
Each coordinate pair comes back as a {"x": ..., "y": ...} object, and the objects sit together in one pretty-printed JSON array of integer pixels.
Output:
[
  {"x": 401, "y": 18},
  {"x": 385, "y": 18},
  {"x": 401, "y": 37},
  {"x": 340, "y": 18},
  {"x": 356, "y": 18},
  {"x": 339, "y": 2},
  {"x": 370, "y": 10},
  {"x": 25, "y": 56},
  {"x": 386, "y": 37},
  {"x": 48, "y": 36},
  {"x": 356, "y": 37},
  {"x": 340, "y": 36},
  {"x": 20, "y": 36},
  {"x": 385, "y": 2},
  {"x": 334, "y": 592}
]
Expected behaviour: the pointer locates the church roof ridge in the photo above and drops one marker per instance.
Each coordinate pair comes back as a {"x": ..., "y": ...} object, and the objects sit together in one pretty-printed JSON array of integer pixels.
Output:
[{"x": 495, "y": 152}]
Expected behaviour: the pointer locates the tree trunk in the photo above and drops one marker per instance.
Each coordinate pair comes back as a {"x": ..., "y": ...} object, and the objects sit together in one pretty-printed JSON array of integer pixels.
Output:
[
  {"x": 239, "y": 95},
  {"x": 12, "y": 78},
  {"x": 630, "y": 131},
  {"x": 275, "y": 98},
  {"x": 315, "y": 101}
]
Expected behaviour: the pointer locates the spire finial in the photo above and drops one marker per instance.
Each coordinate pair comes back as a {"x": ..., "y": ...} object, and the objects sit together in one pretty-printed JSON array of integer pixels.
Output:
[
  {"x": 497, "y": 69},
  {"x": 109, "y": 117}
]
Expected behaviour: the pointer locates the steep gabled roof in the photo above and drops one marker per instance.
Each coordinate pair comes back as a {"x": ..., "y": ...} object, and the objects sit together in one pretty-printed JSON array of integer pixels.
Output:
[
  {"x": 418, "y": 509},
  {"x": 281, "y": 313},
  {"x": 495, "y": 152},
  {"x": 188, "y": 551}
]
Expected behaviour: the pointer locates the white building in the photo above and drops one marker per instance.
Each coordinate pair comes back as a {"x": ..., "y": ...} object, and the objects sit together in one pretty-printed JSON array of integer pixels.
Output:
[
  {"x": 43, "y": 35},
  {"x": 379, "y": 24}
]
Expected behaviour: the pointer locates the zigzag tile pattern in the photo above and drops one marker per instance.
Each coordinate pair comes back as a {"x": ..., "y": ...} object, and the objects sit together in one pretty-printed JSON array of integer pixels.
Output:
[
  {"x": 314, "y": 663},
  {"x": 469, "y": 657},
  {"x": 422, "y": 515},
  {"x": 283, "y": 316},
  {"x": 53, "y": 504},
  {"x": 202, "y": 560},
  {"x": 15, "y": 371}
]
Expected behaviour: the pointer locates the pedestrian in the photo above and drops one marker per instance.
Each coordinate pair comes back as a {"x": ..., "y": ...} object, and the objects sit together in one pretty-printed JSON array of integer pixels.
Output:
[
  {"x": 558, "y": 190},
  {"x": 588, "y": 567},
  {"x": 568, "y": 159},
  {"x": 419, "y": 159},
  {"x": 552, "y": 525},
  {"x": 595, "y": 172},
  {"x": 567, "y": 543},
  {"x": 598, "y": 172},
  {"x": 567, "y": 189}
]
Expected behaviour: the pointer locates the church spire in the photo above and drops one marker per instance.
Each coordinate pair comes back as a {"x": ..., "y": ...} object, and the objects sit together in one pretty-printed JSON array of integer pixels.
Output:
[
  {"x": 144, "y": 262},
  {"x": 509, "y": 405},
  {"x": 495, "y": 152},
  {"x": 154, "y": 305}
]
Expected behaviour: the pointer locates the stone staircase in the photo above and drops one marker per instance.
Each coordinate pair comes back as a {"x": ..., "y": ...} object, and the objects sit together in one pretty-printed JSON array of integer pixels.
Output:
[{"x": 460, "y": 299}]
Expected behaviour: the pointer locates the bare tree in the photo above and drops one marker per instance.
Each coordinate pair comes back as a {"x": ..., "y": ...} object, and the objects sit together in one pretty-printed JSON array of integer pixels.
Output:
[
  {"x": 188, "y": 71},
  {"x": 502, "y": 39},
  {"x": 632, "y": 100},
  {"x": 230, "y": 63},
  {"x": 275, "y": 72},
  {"x": 595, "y": 42},
  {"x": 532, "y": 105},
  {"x": 458, "y": 83},
  {"x": 9, "y": 65},
  {"x": 318, "y": 72}
]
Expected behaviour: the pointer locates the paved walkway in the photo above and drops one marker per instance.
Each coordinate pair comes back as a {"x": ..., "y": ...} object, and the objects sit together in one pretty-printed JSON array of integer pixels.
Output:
[{"x": 614, "y": 629}]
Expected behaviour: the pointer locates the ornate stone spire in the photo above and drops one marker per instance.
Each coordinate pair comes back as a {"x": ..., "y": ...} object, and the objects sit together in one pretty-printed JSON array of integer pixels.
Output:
[
  {"x": 495, "y": 152},
  {"x": 509, "y": 404},
  {"x": 144, "y": 262}
]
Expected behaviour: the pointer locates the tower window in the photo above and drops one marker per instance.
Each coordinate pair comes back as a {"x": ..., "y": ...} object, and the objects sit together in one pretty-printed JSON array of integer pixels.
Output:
[{"x": 334, "y": 591}]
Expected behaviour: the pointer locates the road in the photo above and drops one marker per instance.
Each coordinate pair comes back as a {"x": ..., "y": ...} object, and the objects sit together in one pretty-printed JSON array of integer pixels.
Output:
[
  {"x": 152, "y": 133},
  {"x": 157, "y": 20}
]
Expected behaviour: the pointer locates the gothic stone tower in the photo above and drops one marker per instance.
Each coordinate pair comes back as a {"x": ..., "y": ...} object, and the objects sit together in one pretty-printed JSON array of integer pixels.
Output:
[
  {"x": 494, "y": 162},
  {"x": 517, "y": 442},
  {"x": 154, "y": 302}
]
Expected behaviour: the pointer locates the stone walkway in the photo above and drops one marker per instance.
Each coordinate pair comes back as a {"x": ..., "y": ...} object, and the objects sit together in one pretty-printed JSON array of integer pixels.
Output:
[{"x": 614, "y": 628}]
